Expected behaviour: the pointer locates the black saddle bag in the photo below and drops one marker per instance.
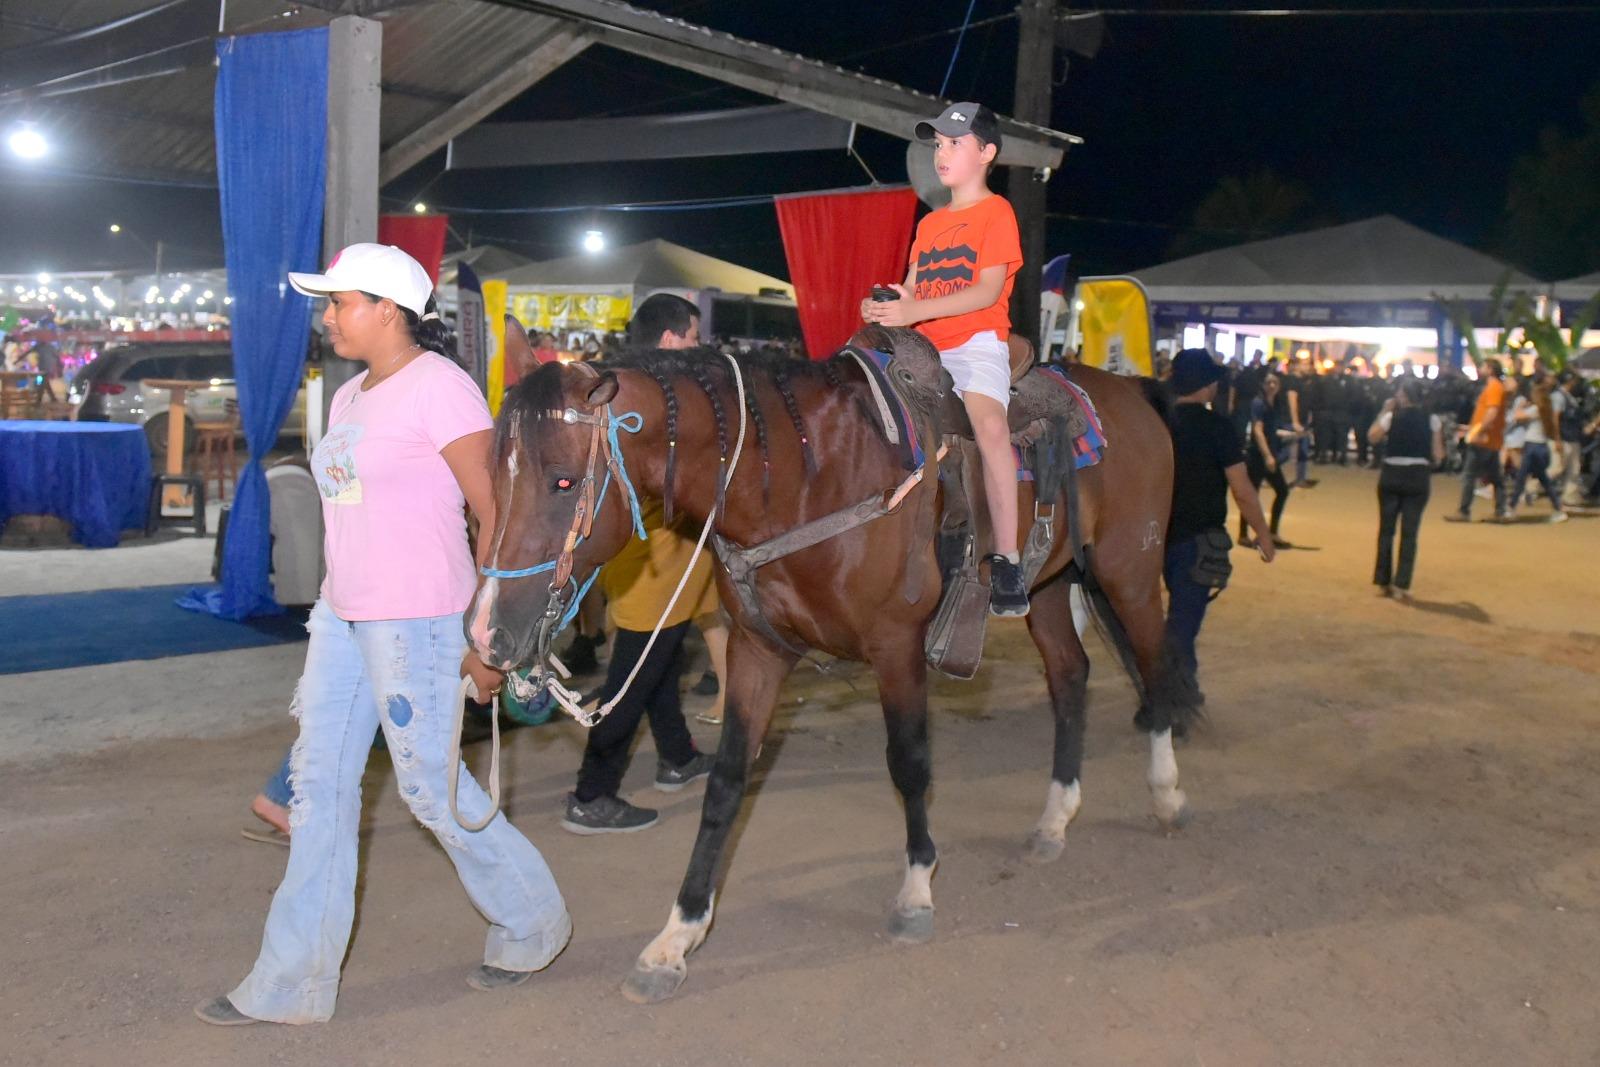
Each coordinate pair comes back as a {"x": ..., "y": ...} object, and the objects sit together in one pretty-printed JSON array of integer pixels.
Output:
[{"x": 1212, "y": 567}]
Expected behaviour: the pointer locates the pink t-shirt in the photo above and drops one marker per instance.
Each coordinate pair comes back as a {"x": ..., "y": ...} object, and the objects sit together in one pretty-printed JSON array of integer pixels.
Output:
[{"x": 395, "y": 519}]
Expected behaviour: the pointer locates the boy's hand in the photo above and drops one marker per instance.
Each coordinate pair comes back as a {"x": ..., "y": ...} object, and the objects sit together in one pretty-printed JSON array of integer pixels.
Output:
[{"x": 891, "y": 312}]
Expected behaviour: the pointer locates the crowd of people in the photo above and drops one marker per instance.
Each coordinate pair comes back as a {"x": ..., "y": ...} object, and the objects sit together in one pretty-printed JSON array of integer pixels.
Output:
[{"x": 1538, "y": 428}]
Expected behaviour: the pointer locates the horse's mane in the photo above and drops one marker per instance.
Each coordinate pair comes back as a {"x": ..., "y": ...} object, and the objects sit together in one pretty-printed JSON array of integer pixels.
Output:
[{"x": 710, "y": 372}]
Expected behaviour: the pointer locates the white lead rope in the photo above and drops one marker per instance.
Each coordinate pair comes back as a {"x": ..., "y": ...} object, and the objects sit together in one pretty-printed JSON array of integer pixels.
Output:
[
  {"x": 699, "y": 547},
  {"x": 453, "y": 758}
]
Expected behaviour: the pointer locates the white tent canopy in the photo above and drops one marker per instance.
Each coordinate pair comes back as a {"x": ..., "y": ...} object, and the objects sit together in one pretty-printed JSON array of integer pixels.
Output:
[
  {"x": 650, "y": 265},
  {"x": 1382, "y": 259},
  {"x": 1578, "y": 289}
]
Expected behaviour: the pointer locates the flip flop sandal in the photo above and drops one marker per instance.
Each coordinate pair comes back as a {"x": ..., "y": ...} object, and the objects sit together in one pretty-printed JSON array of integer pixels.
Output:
[{"x": 267, "y": 835}]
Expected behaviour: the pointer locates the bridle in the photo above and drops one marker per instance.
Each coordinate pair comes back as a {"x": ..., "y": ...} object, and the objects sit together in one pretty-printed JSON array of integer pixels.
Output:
[{"x": 565, "y": 595}]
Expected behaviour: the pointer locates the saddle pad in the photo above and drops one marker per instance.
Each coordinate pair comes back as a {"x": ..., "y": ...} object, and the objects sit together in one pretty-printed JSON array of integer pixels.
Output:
[{"x": 1088, "y": 445}]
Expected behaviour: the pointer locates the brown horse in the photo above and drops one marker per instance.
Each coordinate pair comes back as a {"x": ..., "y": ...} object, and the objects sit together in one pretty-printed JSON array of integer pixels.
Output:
[{"x": 815, "y": 448}]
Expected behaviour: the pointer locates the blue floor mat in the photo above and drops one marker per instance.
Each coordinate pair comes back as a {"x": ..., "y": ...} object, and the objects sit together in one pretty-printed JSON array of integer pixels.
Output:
[{"x": 45, "y": 633}]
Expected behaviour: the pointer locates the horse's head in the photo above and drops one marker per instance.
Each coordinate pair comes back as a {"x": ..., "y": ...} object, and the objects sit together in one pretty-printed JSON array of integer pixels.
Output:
[{"x": 562, "y": 508}]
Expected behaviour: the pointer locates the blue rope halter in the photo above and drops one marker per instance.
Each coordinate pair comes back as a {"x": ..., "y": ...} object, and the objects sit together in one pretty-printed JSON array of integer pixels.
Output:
[{"x": 632, "y": 422}]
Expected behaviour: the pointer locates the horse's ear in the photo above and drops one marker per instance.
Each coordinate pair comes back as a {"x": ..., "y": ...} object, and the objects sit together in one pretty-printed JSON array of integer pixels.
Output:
[
  {"x": 603, "y": 391},
  {"x": 518, "y": 350}
]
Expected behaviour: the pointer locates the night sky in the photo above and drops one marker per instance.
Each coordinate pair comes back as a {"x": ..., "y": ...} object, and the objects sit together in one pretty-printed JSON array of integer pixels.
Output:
[{"x": 1419, "y": 116}]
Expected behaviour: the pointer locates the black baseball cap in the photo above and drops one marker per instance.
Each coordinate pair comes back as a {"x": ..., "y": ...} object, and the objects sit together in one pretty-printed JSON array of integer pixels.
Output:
[
  {"x": 1193, "y": 369},
  {"x": 963, "y": 118}
]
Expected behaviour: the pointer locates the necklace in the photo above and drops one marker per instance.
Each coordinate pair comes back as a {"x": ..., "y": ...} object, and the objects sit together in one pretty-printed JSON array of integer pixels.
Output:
[{"x": 389, "y": 367}]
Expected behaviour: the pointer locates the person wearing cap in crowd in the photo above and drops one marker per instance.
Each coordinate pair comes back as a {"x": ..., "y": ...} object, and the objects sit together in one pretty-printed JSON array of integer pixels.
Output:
[
  {"x": 957, "y": 293},
  {"x": 407, "y": 448},
  {"x": 1208, "y": 464}
]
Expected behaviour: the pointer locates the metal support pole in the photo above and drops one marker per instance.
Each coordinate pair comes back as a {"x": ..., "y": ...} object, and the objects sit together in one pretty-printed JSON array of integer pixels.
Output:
[
  {"x": 1035, "y": 52},
  {"x": 350, "y": 212}
]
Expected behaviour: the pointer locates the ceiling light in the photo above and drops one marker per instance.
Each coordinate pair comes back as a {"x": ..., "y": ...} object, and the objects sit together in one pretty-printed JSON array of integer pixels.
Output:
[{"x": 28, "y": 143}]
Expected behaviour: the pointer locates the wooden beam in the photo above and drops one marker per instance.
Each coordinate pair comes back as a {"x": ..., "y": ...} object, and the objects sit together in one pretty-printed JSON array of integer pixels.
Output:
[
  {"x": 794, "y": 87},
  {"x": 561, "y": 44},
  {"x": 678, "y": 43}
]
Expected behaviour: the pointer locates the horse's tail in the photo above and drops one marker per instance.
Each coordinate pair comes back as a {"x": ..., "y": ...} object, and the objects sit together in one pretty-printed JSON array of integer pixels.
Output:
[
  {"x": 1173, "y": 686},
  {"x": 1156, "y": 394}
]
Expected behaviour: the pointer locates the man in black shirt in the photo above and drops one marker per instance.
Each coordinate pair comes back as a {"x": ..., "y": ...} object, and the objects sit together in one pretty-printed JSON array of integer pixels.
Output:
[{"x": 1207, "y": 464}]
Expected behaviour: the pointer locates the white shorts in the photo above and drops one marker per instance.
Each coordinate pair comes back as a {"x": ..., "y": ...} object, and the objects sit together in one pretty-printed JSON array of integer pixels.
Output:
[{"x": 982, "y": 365}]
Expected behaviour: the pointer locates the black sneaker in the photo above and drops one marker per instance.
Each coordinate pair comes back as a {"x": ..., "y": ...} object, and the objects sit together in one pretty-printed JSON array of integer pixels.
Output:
[
  {"x": 606, "y": 815},
  {"x": 670, "y": 779},
  {"x": 1008, "y": 593}
]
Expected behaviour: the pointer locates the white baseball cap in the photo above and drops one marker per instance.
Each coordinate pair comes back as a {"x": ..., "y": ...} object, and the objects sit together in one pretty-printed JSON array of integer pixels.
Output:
[{"x": 382, "y": 270}]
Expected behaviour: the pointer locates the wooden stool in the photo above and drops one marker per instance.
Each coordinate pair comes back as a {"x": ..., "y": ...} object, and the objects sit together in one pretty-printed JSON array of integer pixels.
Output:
[{"x": 214, "y": 455}]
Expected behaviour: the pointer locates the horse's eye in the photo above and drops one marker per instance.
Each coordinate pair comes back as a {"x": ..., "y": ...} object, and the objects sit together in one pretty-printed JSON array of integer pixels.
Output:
[{"x": 563, "y": 485}]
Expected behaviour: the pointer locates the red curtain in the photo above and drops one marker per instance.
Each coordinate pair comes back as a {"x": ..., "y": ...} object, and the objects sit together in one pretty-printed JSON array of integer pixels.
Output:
[
  {"x": 839, "y": 245},
  {"x": 419, "y": 236}
]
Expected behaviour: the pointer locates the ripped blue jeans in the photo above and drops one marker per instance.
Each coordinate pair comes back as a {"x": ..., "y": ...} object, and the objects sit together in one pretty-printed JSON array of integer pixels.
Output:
[{"x": 401, "y": 675}]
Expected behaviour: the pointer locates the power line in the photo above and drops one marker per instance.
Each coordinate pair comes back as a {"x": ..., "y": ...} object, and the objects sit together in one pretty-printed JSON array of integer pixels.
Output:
[
  {"x": 1332, "y": 12},
  {"x": 955, "y": 53}
]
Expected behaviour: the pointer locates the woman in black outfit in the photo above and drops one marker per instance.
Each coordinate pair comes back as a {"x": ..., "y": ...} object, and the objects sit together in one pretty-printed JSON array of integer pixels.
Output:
[
  {"x": 1263, "y": 455},
  {"x": 1416, "y": 446}
]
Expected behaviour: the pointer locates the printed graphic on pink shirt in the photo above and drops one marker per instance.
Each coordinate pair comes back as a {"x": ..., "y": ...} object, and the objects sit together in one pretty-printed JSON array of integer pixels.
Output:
[{"x": 333, "y": 464}]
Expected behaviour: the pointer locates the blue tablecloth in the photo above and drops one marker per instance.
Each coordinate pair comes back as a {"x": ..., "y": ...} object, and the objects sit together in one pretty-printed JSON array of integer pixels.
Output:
[{"x": 95, "y": 475}]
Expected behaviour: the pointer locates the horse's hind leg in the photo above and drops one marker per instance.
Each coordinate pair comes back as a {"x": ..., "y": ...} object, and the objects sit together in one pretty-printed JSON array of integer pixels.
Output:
[
  {"x": 903, "y": 686},
  {"x": 1144, "y": 628},
  {"x": 754, "y": 674},
  {"x": 1066, "y": 667}
]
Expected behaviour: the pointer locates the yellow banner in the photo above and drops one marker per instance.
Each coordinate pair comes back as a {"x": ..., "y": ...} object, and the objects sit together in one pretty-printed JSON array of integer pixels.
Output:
[
  {"x": 592, "y": 312},
  {"x": 494, "y": 306},
  {"x": 1115, "y": 322}
]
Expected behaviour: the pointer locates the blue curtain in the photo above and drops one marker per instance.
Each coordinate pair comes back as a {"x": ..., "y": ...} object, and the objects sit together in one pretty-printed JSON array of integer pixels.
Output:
[{"x": 272, "y": 121}]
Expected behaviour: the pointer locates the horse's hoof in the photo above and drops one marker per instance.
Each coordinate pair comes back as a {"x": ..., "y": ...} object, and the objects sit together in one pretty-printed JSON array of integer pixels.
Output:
[
  {"x": 1043, "y": 849},
  {"x": 913, "y": 926},
  {"x": 1175, "y": 820},
  {"x": 652, "y": 985}
]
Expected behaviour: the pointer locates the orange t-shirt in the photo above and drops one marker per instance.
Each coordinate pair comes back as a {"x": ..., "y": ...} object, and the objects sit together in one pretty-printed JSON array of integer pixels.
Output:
[
  {"x": 1494, "y": 431},
  {"x": 951, "y": 248}
]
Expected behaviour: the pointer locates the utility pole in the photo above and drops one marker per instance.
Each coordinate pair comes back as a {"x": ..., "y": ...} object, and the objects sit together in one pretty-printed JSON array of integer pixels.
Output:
[
  {"x": 159, "y": 246},
  {"x": 1025, "y": 187}
]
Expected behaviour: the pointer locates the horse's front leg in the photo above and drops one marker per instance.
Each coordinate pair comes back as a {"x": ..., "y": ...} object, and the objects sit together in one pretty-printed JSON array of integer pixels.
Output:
[
  {"x": 754, "y": 674},
  {"x": 903, "y": 686}
]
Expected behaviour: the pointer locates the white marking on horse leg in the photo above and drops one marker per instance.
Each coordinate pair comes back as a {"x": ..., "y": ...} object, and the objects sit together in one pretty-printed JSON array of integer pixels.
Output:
[
  {"x": 1061, "y": 804},
  {"x": 1164, "y": 789},
  {"x": 677, "y": 939},
  {"x": 916, "y": 892},
  {"x": 1080, "y": 610}
]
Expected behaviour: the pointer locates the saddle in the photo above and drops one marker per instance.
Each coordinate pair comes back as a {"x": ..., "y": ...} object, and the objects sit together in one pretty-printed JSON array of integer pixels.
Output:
[{"x": 1055, "y": 431}]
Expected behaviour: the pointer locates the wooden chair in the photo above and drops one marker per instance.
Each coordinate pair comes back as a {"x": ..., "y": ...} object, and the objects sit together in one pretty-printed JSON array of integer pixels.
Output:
[{"x": 214, "y": 454}]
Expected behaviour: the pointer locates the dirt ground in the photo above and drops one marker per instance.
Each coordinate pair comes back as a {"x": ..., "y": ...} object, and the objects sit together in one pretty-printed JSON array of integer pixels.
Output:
[{"x": 1393, "y": 859}]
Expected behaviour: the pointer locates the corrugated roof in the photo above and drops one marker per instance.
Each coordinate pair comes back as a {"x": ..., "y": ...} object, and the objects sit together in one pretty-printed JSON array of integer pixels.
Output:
[
  {"x": 435, "y": 52},
  {"x": 433, "y": 55}
]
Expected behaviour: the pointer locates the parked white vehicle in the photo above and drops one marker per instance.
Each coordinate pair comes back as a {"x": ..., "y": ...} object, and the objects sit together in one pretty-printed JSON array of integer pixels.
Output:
[{"x": 111, "y": 389}]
